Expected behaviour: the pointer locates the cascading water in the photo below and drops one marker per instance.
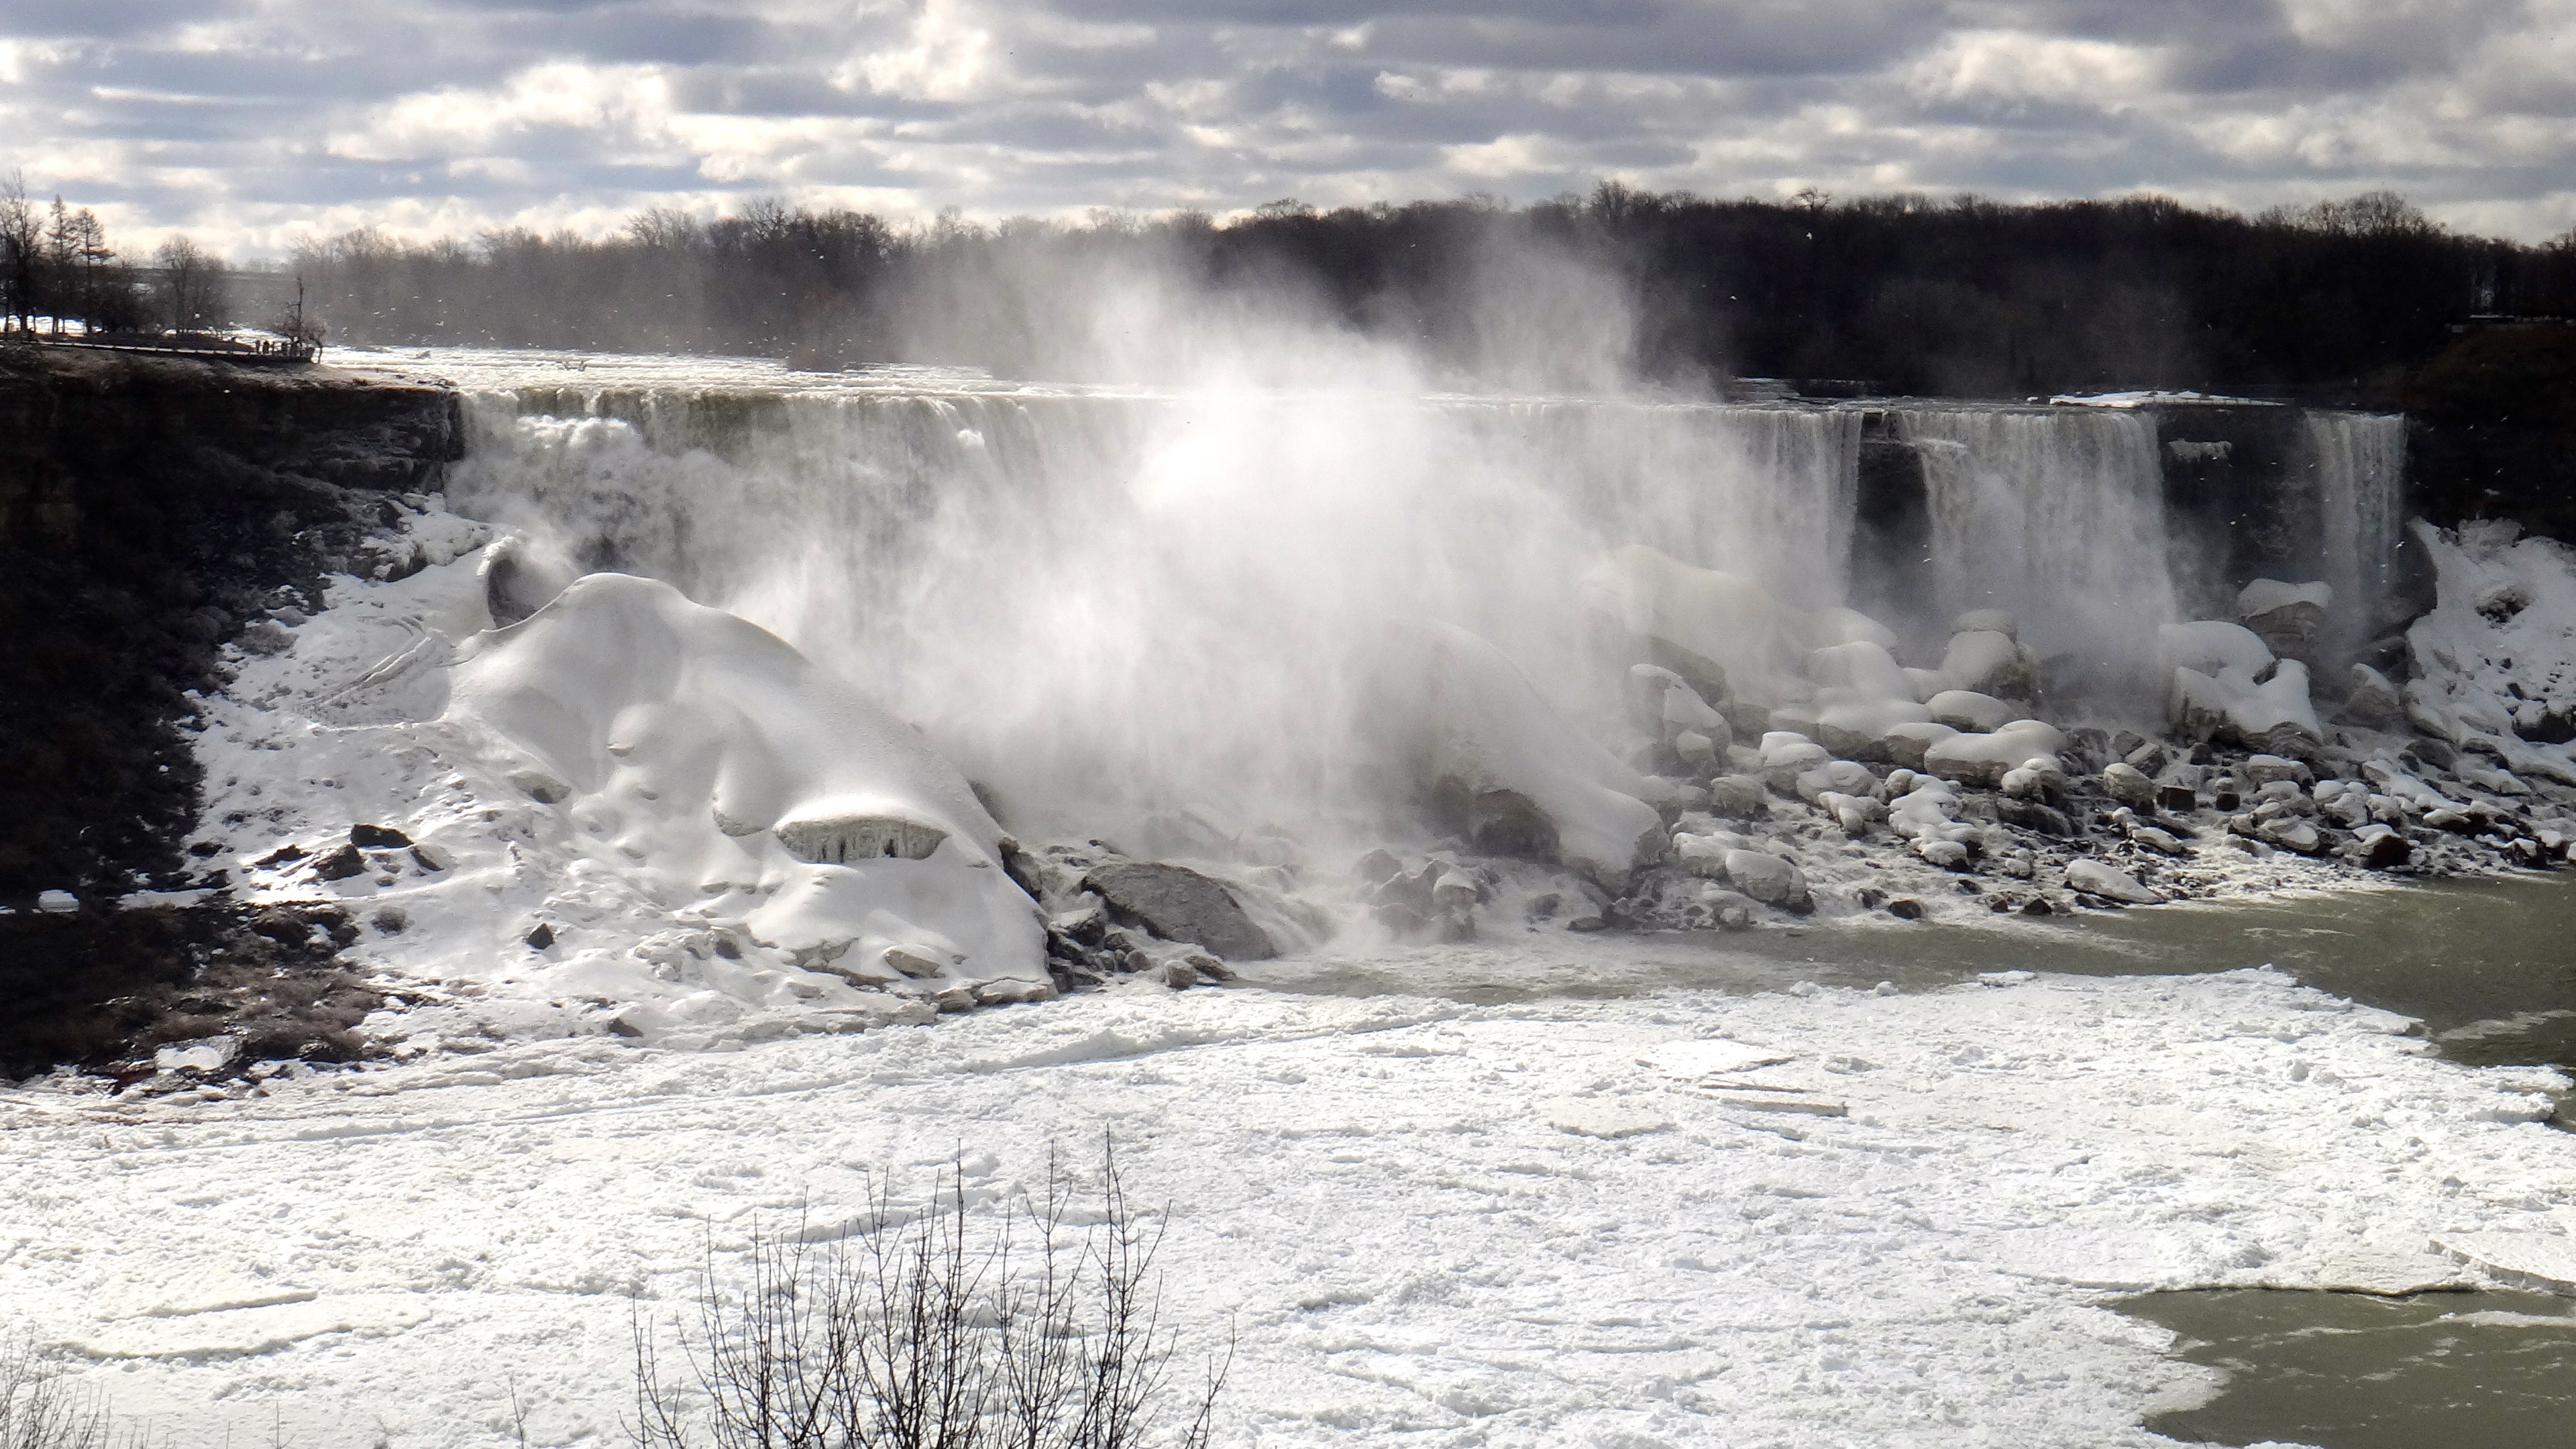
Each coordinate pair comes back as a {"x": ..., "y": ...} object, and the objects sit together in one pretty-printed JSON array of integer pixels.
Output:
[
  {"x": 2358, "y": 461},
  {"x": 1110, "y": 604},
  {"x": 2056, "y": 515}
]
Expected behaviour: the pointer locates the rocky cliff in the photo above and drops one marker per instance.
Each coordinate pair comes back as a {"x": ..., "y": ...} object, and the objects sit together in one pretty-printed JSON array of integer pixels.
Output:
[{"x": 152, "y": 511}]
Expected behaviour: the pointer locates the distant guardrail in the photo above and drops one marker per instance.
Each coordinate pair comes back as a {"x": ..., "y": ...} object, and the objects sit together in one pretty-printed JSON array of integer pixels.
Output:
[{"x": 218, "y": 349}]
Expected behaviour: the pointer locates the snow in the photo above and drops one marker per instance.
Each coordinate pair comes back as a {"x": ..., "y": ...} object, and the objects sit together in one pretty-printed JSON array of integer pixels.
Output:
[
  {"x": 2497, "y": 653},
  {"x": 2265, "y": 595},
  {"x": 2210, "y": 645},
  {"x": 671, "y": 793},
  {"x": 1627, "y": 1221}
]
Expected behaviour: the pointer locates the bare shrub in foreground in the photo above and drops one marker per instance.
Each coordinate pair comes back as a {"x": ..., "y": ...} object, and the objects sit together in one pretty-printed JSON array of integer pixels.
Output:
[
  {"x": 39, "y": 1410},
  {"x": 1031, "y": 1326}
]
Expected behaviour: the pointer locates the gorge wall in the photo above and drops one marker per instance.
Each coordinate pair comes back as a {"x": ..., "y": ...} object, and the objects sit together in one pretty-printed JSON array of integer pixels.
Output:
[{"x": 154, "y": 510}]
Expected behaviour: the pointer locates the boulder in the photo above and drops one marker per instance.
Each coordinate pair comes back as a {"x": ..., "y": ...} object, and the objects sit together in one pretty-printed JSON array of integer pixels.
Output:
[
  {"x": 1768, "y": 879},
  {"x": 2372, "y": 702},
  {"x": 2287, "y": 617},
  {"x": 2261, "y": 770},
  {"x": 1738, "y": 796},
  {"x": 2031, "y": 815},
  {"x": 2381, "y": 848},
  {"x": 2095, "y": 878},
  {"x": 2177, "y": 799},
  {"x": 1983, "y": 759},
  {"x": 1987, "y": 661},
  {"x": 2129, "y": 785},
  {"x": 1907, "y": 742},
  {"x": 2161, "y": 841},
  {"x": 1969, "y": 712},
  {"x": 1179, "y": 904},
  {"x": 1787, "y": 755},
  {"x": 2289, "y": 833},
  {"x": 1865, "y": 729},
  {"x": 1947, "y": 854}
]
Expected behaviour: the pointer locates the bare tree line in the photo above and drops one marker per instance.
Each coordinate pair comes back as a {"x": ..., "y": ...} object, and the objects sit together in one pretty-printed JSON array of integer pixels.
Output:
[
  {"x": 56, "y": 263},
  {"x": 1958, "y": 295}
]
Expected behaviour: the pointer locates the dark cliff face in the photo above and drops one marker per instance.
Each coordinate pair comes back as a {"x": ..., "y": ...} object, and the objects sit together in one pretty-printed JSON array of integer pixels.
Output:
[
  {"x": 150, "y": 509},
  {"x": 2493, "y": 430}
]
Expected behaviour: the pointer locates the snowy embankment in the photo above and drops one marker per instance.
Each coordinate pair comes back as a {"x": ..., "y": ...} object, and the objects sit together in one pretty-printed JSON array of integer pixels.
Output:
[
  {"x": 1820, "y": 1216},
  {"x": 622, "y": 812}
]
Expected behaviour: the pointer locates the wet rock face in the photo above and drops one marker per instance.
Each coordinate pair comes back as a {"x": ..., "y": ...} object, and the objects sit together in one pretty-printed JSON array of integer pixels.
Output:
[
  {"x": 258, "y": 986},
  {"x": 1179, "y": 904},
  {"x": 152, "y": 509}
]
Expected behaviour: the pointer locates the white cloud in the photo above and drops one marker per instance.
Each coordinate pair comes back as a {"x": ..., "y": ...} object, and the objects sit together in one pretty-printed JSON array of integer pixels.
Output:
[{"x": 242, "y": 118}]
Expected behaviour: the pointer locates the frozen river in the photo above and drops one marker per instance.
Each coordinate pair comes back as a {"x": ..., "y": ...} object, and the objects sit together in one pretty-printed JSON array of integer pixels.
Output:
[{"x": 1482, "y": 1210}]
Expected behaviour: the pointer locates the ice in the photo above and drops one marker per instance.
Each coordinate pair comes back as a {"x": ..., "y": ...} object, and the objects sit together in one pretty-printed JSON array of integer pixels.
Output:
[
  {"x": 715, "y": 835},
  {"x": 1379, "y": 1199}
]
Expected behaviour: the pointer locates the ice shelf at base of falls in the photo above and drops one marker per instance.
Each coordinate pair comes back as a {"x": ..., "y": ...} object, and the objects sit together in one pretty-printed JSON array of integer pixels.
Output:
[{"x": 1392, "y": 1208}]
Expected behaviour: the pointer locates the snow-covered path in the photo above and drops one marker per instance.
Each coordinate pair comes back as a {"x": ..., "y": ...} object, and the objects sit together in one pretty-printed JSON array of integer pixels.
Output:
[{"x": 1458, "y": 1225}]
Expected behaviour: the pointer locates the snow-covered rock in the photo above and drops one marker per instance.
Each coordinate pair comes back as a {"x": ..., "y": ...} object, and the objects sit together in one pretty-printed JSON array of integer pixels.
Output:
[
  {"x": 1969, "y": 712},
  {"x": 1510, "y": 772},
  {"x": 715, "y": 769},
  {"x": 2495, "y": 659},
  {"x": 2286, "y": 617},
  {"x": 2095, "y": 878},
  {"x": 1987, "y": 661},
  {"x": 2372, "y": 701},
  {"x": 2274, "y": 714},
  {"x": 2129, "y": 785},
  {"x": 2211, "y": 645},
  {"x": 1982, "y": 758}
]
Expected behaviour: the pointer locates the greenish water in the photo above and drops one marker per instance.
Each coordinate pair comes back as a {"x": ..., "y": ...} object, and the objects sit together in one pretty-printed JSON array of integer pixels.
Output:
[
  {"x": 2346, "y": 1371},
  {"x": 2489, "y": 966}
]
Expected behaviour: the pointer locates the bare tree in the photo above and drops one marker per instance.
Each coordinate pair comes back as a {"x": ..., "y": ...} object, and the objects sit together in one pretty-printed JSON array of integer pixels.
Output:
[
  {"x": 192, "y": 285},
  {"x": 952, "y": 1328},
  {"x": 38, "y": 1410},
  {"x": 21, "y": 249}
]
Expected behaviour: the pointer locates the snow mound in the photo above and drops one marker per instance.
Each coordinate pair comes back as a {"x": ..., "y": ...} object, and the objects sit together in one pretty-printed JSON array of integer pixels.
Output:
[{"x": 707, "y": 762}]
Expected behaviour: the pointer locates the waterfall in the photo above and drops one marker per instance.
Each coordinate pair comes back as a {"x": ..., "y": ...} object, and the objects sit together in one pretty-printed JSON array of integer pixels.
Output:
[
  {"x": 1109, "y": 603},
  {"x": 2358, "y": 461},
  {"x": 2056, "y": 515}
]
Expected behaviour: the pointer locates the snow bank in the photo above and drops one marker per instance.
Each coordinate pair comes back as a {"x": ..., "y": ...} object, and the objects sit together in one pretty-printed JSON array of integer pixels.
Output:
[
  {"x": 709, "y": 763},
  {"x": 2495, "y": 659},
  {"x": 628, "y": 812}
]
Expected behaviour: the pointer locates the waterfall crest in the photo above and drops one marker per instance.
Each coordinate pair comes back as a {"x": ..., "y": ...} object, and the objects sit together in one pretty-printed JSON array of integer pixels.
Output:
[{"x": 1114, "y": 603}]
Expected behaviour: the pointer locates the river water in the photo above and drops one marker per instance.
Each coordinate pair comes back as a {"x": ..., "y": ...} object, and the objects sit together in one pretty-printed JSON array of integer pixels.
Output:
[{"x": 2489, "y": 967}]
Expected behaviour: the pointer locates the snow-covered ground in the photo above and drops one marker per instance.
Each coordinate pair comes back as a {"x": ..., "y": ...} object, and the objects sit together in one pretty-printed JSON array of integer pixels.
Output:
[{"x": 1427, "y": 1221}]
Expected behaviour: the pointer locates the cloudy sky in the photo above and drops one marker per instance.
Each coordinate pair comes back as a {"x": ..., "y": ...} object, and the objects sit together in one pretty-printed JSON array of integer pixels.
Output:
[{"x": 248, "y": 122}]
